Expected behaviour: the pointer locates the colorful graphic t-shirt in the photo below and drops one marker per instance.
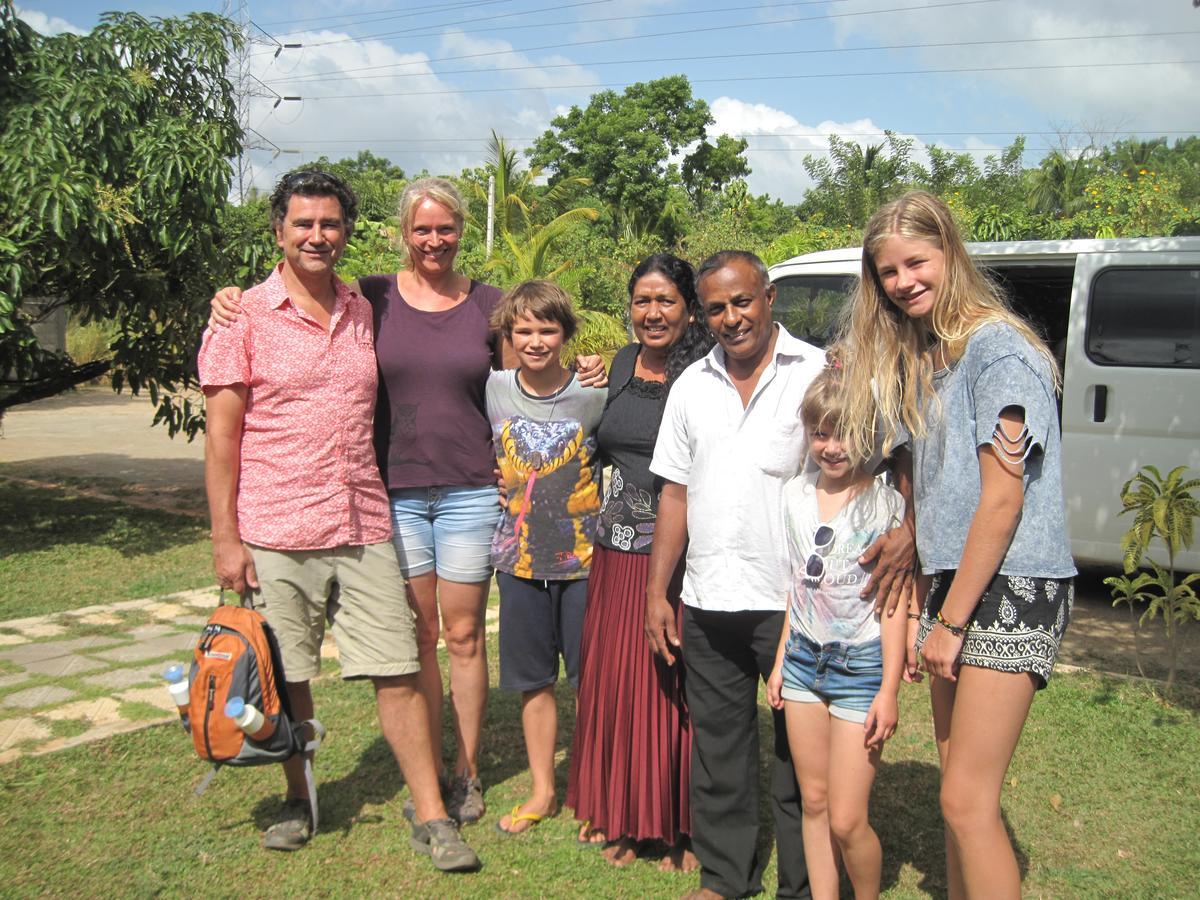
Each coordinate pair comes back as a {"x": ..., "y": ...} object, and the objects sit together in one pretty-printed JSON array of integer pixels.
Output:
[
  {"x": 546, "y": 450},
  {"x": 826, "y": 579}
]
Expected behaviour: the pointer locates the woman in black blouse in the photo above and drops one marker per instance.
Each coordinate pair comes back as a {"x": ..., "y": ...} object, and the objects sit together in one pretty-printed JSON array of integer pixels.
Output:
[{"x": 630, "y": 763}]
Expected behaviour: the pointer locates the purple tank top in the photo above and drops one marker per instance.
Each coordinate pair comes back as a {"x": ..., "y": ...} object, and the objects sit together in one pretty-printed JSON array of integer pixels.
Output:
[{"x": 431, "y": 425}]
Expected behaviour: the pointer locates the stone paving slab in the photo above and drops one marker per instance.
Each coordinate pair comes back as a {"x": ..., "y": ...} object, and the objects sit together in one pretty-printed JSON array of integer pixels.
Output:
[
  {"x": 155, "y": 696},
  {"x": 64, "y": 666},
  {"x": 42, "y": 695},
  {"x": 143, "y": 632},
  {"x": 30, "y": 653},
  {"x": 149, "y": 649},
  {"x": 98, "y": 711},
  {"x": 116, "y": 679},
  {"x": 26, "y": 728},
  {"x": 7, "y": 681}
]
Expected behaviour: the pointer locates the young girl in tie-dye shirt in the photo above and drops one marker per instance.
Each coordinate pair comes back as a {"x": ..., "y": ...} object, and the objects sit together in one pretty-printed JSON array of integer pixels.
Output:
[{"x": 838, "y": 668}]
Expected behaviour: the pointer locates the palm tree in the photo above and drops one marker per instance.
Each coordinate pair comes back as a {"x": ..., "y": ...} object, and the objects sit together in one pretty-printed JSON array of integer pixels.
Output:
[
  {"x": 518, "y": 196},
  {"x": 1056, "y": 186}
]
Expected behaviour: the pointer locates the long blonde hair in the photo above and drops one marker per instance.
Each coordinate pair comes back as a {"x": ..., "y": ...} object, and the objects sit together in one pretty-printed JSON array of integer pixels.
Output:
[{"x": 890, "y": 368}]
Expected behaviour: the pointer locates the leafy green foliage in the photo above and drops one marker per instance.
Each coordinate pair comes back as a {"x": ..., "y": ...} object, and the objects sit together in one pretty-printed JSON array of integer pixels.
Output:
[
  {"x": 625, "y": 143},
  {"x": 1162, "y": 508},
  {"x": 114, "y": 169},
  {"x": 855, "y": 180}
]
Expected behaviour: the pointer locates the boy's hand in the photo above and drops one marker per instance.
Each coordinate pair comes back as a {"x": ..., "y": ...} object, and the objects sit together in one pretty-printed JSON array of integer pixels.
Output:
[
  {"x": 775, "y": 688},
  {"x": 881, "y": 721},
  {"x": 660, "y": 628}
]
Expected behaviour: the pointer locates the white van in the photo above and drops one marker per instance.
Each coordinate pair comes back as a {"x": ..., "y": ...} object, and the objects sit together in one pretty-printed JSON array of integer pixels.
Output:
[{"x": 1123, "y": 316}]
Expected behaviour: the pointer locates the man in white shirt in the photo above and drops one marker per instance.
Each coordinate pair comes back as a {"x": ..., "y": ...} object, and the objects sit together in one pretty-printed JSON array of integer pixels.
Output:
[{"x": 731, "y": 437}]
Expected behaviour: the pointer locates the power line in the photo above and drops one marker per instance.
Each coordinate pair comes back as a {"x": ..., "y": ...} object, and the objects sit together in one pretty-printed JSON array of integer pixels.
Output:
[
  {"x": 658, "y": 34},
  {"x": 576, "y": 22},
  {"x": 301, "y": 79},
  {"x": 740, "y": 78},
  {"x": 429, "y": 30},
  {"x": 347, "y": 17}
]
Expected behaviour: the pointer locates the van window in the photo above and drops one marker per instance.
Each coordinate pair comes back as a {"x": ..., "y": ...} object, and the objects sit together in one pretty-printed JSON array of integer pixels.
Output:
[
  {"x": 807, "y": 305},
  {"x": 1145, "y": 317}
]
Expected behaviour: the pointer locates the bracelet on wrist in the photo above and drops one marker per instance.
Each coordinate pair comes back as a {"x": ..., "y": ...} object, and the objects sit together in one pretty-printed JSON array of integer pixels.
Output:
[{"x": 956, "y": 630}]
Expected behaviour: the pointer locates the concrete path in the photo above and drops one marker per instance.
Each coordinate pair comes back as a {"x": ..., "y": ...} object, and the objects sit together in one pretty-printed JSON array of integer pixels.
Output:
[{"x": 71, "y": 678}]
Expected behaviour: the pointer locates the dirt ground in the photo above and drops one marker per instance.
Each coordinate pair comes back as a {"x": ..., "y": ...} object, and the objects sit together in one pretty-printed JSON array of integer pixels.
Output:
[{"x": 103, "y": 442}]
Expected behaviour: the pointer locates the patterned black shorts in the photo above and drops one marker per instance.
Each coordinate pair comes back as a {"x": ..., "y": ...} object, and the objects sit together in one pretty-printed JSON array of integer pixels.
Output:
[{"x": 1017, "y": 625}]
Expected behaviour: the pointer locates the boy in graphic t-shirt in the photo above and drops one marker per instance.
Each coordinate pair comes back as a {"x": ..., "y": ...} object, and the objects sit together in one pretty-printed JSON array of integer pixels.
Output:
[{"x": 543, "y": 428}]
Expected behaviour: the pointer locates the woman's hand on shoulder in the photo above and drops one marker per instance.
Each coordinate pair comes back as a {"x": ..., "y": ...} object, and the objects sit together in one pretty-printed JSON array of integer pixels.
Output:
[
  {"x": 226, "y": 307},
  {"x": 591, "y": 371}
]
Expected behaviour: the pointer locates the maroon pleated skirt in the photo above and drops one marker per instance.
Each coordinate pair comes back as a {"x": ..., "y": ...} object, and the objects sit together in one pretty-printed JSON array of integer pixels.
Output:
[{"x": 631, "y": 761}]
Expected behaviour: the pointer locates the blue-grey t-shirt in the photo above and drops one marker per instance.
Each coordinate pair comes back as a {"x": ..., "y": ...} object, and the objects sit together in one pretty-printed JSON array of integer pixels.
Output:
[{"x": 998, "y": 369}]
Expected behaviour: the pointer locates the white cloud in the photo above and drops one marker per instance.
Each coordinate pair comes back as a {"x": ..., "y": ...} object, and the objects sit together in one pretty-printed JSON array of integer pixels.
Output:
[
  {"x": 779, "y": 143},
  {"x": 1120, "y": 97},
  {"x": 47, "y": 25},
  {"x": 366, "y": 95}
]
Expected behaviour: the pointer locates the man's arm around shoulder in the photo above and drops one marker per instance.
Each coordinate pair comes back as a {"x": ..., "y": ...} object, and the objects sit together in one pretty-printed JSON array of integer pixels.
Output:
[{"x": 225, "y": 408}]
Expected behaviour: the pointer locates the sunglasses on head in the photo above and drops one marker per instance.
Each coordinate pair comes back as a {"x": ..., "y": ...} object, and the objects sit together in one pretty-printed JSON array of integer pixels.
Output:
[{"x": 822, "y": 541}]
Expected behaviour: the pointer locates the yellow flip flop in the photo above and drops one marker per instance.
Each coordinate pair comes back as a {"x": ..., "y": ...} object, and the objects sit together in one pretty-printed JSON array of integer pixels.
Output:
[{"x": 517, "y": 816}]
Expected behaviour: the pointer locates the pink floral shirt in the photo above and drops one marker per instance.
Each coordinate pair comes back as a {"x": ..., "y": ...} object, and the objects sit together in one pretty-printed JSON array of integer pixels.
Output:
[{"x": 309, "y": 479}]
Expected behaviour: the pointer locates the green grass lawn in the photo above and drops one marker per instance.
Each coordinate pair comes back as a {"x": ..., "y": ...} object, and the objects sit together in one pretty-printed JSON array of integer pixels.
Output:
[
  {"x": 1103, "y": 798},
  {"x": 1102, "y": 801},
  {"x": 61, "y": 551}
]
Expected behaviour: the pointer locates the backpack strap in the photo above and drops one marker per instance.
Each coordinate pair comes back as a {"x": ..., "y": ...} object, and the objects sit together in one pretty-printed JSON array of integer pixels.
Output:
[{"x": 318, "y": 735}]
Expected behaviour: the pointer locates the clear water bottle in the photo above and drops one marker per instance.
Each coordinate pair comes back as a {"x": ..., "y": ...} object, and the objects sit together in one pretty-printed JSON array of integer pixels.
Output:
[
  {"x": 249, "y": 719},
  {"x": 177, "y": 687}
]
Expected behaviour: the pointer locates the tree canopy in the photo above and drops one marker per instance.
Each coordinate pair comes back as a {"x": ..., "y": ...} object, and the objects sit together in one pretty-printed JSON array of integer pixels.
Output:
[
  {"x": 114, "y": 169},
  {"x": 627, "y": 145}
]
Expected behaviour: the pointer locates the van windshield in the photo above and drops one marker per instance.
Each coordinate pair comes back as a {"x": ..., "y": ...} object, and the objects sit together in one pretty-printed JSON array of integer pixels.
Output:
[{"x": 807, "y": 305}]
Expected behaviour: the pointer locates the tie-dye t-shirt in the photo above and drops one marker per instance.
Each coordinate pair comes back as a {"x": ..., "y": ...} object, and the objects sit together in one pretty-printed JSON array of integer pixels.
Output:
[
  {"x": 546, "y": 451},
  {"x": 828, "y": 607}
]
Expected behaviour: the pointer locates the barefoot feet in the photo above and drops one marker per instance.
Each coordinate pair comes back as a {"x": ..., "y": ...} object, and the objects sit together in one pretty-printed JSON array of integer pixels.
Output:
[
  {"x": 679, "y": 858},
  {"x": 621, "y": 852}
]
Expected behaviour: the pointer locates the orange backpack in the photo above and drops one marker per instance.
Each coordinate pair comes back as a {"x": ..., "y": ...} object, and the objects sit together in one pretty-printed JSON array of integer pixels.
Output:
[{"x": 237, "y": 656}]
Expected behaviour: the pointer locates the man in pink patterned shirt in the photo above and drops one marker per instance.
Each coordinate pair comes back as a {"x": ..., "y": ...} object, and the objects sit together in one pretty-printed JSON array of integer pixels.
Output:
[{"x": 300, "y": 517}]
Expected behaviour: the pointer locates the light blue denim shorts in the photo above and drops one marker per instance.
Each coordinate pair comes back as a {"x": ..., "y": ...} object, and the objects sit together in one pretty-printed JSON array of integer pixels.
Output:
[
  {"x": 845, "y": 677},
  {"x": 445, "y": 528}
]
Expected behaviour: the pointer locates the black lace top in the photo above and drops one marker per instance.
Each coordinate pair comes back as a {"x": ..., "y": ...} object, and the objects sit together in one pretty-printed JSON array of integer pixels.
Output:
[{"x": 626, "y": 439}]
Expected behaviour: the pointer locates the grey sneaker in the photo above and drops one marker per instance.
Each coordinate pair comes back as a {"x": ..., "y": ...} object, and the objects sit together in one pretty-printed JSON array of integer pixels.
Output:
[
  {"x": 410, "y": 810},
  {"x": 466, "y": 805},
  {"x": 292, "y": 829},
  {"x": 440, "y": 839}
]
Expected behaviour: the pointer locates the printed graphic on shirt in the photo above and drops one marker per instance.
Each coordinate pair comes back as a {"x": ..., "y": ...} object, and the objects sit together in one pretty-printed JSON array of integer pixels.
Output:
[
  {"x": 826, "y": 581},
  {"x": 549, "y": 520},
  {"x": 627, "y": 520}
]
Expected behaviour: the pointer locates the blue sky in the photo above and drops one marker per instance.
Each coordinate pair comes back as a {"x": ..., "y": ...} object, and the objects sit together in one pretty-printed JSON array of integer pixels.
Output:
[{"x": 424, "y": 84}]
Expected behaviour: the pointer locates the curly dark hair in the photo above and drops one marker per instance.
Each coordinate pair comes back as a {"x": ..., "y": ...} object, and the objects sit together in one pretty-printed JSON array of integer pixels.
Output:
[
  {"x": 697, "y": 340},
  {"x": 313, "y": 183}
]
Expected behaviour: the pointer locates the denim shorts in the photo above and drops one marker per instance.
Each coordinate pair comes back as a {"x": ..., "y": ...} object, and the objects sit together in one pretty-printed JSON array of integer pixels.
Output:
[
  {"x": 845, "y": 677},
  {"x": 447, "y": 528}
]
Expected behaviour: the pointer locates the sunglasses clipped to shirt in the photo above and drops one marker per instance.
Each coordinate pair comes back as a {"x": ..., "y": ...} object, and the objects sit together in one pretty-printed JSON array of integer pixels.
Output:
[{"x": 814, "y": 569}]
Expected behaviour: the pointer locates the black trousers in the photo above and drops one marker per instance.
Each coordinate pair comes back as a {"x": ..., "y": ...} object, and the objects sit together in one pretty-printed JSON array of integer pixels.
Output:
[{"x": 725, "y": 654}]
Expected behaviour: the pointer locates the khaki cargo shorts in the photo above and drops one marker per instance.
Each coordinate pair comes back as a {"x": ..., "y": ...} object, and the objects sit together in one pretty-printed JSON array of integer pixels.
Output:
[{"x": 358, "y": 590}]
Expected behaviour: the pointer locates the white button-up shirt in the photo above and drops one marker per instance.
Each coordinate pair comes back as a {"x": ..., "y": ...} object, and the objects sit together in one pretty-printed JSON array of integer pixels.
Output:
[{"x": 734, "y": 462}]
